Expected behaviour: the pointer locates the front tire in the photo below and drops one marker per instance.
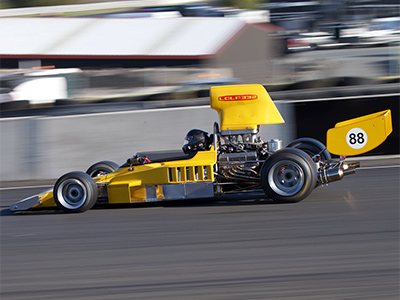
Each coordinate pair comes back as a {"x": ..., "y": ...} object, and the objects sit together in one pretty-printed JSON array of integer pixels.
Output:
[
  {"x": 289, "y": 175},
  {"x": 102, "y": 168},
  {"x": 75, "y": 192}
]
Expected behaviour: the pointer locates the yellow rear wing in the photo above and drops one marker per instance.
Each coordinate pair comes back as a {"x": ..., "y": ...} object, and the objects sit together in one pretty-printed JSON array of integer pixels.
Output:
[
  {"x": 359, "y": 135},
  {"x": 242, "y": 107}
]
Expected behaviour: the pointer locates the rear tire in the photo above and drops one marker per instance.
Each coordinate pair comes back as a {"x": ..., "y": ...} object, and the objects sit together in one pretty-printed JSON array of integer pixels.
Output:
[
  {"x": 102, "y": 168},
  {"x": 75, "y": 192},
  {"x": 289, "y": 175},
  {"x": 311, "y": 147}
]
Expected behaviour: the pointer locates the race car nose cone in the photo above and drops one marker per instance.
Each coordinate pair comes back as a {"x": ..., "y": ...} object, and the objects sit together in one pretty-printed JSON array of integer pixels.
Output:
[{"x": 25, "y": 204}]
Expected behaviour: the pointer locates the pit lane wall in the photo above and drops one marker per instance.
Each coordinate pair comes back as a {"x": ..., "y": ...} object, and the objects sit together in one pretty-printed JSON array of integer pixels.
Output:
[{"x": 41, "y": 148}]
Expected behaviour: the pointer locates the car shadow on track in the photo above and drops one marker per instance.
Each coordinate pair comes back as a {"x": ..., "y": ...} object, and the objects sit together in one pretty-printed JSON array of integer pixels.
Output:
[
  {"x": 237, "y": 199},
  {"x": 36, "y": 211}
]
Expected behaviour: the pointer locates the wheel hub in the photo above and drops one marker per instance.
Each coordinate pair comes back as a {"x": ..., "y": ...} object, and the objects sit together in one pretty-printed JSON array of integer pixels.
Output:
[
  {"x": 286, "y": 178},
  {"x": 72, "y": 193}
]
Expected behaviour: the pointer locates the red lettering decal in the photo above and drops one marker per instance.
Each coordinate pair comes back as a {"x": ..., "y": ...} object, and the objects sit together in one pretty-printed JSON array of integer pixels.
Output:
[{"x": 238, "y": 97}]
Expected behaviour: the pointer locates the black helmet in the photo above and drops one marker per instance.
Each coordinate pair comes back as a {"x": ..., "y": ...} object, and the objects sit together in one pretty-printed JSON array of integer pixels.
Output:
[{"x": 196, "y": 140}]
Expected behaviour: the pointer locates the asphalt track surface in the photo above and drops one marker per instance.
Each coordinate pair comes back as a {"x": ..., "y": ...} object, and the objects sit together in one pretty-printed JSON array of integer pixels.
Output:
[{"x": 340, "y": 243}]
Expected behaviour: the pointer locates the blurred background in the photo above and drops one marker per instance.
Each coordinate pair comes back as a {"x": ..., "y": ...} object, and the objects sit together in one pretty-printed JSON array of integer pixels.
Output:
[
  {"x": 107, "y": 78},
  {"x": 87, "y": 81}
]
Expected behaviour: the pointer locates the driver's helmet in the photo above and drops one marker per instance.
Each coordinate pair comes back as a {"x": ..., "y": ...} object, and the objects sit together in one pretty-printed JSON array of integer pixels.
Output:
[{"x": 196, "y": 140}]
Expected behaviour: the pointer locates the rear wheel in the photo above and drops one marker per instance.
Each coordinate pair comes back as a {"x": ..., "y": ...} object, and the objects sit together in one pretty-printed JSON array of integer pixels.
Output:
[
  {"x": 288, "y": 175},
  {"x": 102, "y": 168},
  {"x": 75, "y": 192}
]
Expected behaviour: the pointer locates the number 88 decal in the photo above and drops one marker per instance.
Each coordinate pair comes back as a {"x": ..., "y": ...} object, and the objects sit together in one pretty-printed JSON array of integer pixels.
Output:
[{"x": 356, "y": 138}]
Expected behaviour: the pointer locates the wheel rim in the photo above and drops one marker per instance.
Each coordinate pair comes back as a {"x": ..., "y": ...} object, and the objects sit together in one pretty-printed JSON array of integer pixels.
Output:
[
  {"x": 286, "y": 178},
  {"x": 72, "y": 193}
]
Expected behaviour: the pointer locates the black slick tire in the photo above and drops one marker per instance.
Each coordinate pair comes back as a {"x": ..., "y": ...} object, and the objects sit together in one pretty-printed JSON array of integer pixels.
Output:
[
  {"x": 311, "y": 147},
  {"x": 102, "y": 168}
]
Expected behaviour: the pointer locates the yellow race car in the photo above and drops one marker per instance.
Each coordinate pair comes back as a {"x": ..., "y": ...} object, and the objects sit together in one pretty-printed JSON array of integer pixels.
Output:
[{"x": 233, "y": 158}]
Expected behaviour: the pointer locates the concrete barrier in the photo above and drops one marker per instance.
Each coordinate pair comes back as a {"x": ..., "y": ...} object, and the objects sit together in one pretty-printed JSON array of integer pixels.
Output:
[{"x": 41, "y": 148}]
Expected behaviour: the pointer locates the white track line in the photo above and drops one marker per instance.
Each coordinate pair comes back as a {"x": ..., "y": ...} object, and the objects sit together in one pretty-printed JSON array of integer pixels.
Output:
[
  {"x": 378, "y": 167},
  {"x": 26, "y": 187}
]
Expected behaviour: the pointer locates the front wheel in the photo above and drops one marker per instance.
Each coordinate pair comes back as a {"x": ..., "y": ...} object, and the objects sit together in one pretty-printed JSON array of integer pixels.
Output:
[
  {"x": 75, "y": 192},
  {"x": 288, "y": 175}
]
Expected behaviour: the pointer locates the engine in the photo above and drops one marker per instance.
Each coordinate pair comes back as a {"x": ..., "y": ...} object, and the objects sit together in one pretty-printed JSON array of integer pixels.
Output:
[
  {"x": 241, "y": 155},
  {"x": 240, "y": 166}
]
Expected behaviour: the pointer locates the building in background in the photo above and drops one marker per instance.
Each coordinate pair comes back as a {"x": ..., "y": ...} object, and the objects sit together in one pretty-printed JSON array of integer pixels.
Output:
[{"x": 99, "y": 43}]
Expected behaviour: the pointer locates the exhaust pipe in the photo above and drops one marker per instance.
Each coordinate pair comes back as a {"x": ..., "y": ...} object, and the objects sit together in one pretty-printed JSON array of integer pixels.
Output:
[{"x": 335, "y": 174}]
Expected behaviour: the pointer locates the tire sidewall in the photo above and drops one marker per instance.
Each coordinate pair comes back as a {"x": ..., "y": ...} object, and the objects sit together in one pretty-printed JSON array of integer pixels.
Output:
[
  {"x": 85, "y": 182},
  {"x": 303, "y": 160}
]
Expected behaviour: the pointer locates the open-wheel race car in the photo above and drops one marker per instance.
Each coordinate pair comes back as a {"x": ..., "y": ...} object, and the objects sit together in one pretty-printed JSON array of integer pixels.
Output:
[{"x": 233, "y": 158}]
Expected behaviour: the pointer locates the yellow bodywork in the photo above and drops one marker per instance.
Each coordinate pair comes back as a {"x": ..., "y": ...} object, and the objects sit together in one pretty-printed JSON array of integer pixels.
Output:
[
  {"x": 359, "y": 135},
  {"x": 132, "y": 184},
  {"x": 242, "y": 107}
]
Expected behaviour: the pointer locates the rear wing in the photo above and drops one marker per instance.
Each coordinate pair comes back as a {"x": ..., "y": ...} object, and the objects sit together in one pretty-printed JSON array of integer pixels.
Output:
[{"x": 359, "y": 135}]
